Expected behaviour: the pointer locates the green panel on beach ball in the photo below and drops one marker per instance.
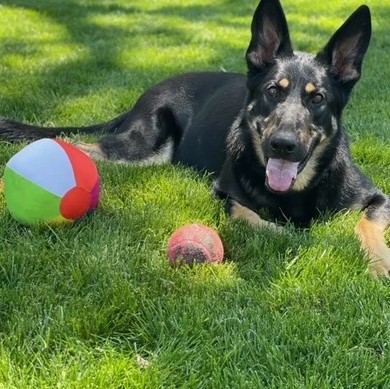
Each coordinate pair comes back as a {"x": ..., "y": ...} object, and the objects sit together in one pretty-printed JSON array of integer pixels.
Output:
[{"x": 27, "y": 202}]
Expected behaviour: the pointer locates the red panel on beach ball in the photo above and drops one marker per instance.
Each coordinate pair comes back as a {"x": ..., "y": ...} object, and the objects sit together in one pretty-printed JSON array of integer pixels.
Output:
[
  {"x": 85, "y": 171},
  {"x": 95, "y": 195},
  {"x": 75, "y": 203}
]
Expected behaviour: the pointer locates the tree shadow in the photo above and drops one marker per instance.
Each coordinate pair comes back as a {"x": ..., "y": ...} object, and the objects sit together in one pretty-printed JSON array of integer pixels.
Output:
[
  {"x": 105, "y": 43},
  {"x": 121, "y": 55}
]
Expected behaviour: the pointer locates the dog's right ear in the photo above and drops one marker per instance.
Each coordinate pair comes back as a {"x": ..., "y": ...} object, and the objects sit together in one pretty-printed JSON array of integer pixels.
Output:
[{"x": 270, "y": 36}]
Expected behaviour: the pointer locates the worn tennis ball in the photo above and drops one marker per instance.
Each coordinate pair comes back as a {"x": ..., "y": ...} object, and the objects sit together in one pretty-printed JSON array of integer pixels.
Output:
[{"x": 194, "y": 243}]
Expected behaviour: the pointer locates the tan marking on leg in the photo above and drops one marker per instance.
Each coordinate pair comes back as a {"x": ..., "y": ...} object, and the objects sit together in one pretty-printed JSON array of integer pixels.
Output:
[
  {"x": 91, "y": 149},
  {"x": 284, "y": 83},
  {"x": 371, "y": 234},
  {"x": 162, "y": 156},
  {"x": 240, "y": 212},
  {"x": 309, "y": 88}
]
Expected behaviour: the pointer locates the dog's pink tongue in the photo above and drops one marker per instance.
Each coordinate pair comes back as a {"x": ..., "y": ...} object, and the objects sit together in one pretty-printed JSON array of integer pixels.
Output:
[{"x": 281, "y": 173}]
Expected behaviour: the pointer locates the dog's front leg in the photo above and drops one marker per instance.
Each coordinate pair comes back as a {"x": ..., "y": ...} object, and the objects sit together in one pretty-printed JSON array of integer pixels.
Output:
[
  {"x": 371, "y": 229},
  {"x": 238, "y": 211}
]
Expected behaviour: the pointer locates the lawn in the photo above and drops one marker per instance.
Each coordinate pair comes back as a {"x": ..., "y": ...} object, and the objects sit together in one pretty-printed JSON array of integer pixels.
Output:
[{"x": 96, "y": 304}]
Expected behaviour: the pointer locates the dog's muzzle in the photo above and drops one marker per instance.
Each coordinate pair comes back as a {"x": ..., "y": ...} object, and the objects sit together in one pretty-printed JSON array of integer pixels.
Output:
[{"x": 285, "y": 154}]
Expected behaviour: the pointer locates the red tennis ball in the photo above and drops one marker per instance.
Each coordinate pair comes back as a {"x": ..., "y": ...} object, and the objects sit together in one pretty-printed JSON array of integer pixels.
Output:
[{"x": 194, "y": 243}]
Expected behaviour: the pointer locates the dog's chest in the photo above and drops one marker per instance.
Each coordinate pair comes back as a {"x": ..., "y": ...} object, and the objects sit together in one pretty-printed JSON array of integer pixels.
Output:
[{"x": 296, "y": 208}]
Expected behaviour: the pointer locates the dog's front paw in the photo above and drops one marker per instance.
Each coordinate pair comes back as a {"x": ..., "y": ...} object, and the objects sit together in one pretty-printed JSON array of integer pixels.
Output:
[
  {"x": 380, "y": 267},
  {"x": 238, "y": 211},
  {"x": 273, "y": 226}
]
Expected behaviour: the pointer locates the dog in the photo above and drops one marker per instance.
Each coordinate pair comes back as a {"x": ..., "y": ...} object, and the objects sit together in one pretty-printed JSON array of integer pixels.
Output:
[{"x": 272, "y": 139}]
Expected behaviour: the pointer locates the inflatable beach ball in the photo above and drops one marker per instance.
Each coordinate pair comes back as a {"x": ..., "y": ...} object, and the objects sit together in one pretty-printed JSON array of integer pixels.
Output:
[{"x": 50, "y": 181}]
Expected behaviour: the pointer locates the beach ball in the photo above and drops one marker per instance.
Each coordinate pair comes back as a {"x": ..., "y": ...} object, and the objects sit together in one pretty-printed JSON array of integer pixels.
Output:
[{"x": 50, "y": 181}]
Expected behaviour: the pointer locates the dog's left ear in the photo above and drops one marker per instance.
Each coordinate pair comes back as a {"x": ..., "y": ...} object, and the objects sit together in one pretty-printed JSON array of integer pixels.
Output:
[
  {"x": 343, "y": 55},
  {"x": 270, "y": 36}
]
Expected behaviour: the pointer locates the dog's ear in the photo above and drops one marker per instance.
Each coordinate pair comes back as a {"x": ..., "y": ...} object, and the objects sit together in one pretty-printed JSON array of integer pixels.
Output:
[
  {"x": 270, "y": 36},
  {"x": 343, "y": 55}
]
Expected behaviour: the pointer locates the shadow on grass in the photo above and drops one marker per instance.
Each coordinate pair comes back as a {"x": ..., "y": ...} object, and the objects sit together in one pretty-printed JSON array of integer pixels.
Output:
[
  {"x": 144, "y": 28},
  {"x": 101, "y": 70}
]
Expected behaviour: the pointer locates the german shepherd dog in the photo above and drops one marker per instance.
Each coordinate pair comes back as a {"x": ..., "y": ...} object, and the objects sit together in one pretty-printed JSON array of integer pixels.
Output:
[{"x": 272, "y": 139}]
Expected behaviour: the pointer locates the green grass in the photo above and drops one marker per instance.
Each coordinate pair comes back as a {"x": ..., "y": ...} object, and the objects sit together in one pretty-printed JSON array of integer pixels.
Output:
[{"x": 80, "y": 304}]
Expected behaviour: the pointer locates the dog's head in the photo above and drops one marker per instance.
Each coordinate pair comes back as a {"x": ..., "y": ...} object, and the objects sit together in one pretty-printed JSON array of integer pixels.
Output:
[{"x": 295, "y": 100}]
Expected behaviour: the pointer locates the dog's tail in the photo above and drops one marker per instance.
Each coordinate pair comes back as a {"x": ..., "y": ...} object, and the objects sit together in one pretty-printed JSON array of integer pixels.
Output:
[{"x": 13, "y": 132}]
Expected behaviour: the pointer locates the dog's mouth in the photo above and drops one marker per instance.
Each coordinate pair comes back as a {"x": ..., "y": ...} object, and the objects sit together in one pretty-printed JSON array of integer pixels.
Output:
[{"x": 281, "y": 174}]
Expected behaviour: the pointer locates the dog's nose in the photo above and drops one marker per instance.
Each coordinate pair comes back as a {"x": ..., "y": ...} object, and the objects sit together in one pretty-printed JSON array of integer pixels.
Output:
[{"x": 283, "y": 145}]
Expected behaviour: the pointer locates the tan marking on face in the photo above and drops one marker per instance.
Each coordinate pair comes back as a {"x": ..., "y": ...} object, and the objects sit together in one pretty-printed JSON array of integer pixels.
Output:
[
  {"x": 309, "y": 88},
  {"x": 310, "y": 170},
  {"x": 284, "y": 83},
  {"x": 373, "y": 242},
  {"x": 257, "y": 140},
  {"x": 334, "y": 124}
]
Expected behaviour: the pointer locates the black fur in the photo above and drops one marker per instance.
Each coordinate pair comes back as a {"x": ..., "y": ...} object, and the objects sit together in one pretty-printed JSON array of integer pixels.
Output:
[{"x": 272, "y": 139}]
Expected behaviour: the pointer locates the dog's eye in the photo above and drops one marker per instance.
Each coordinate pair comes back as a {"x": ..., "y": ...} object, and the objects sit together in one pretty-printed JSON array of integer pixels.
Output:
[
  {"x": 273, "y": 91},
  {"x": 318, "y": 98}
]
